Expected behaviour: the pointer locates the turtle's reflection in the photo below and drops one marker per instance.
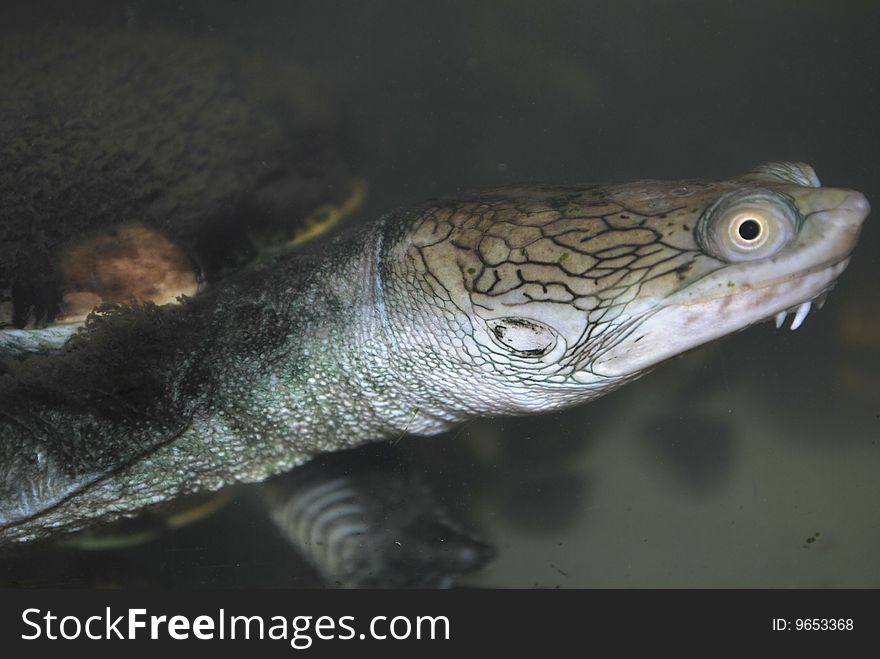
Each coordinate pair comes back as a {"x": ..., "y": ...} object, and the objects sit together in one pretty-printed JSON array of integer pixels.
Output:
[{"x": 363, "y": 518}]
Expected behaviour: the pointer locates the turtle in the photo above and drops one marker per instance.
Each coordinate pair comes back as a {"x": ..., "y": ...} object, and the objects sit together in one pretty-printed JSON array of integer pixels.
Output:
[
  {"x": 115, "y": 142},
  {"x": 144, "y": 168},
  {"x": 501, "y": 302}
]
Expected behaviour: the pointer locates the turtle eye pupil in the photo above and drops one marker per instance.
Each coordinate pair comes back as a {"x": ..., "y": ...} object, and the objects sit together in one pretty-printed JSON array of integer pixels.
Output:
[{"x": 749, "y": 230}]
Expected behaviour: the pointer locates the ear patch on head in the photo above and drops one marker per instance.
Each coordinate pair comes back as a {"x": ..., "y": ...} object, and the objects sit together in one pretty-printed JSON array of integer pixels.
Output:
[{"x": 523, "y": 336}]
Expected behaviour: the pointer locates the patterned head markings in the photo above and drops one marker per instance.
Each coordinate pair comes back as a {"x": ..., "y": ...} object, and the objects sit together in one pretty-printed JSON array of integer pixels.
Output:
[{"x": 557, "y": 275}]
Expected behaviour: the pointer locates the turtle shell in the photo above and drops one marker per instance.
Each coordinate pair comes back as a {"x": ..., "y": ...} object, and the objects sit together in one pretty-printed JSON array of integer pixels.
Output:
[{"x": 140, "y": 166}]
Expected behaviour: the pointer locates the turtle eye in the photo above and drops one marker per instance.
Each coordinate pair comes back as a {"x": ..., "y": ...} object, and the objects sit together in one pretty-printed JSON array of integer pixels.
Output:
[
  {"x": 749, "y": 230},
  {"x": 748, "y": 225}
]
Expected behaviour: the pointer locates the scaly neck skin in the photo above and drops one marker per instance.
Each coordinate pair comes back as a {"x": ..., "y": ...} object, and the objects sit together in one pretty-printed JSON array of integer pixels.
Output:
[{"x": 353, "y": 372}]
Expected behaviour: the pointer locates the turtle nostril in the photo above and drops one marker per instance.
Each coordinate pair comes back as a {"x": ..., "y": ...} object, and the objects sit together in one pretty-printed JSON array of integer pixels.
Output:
[{"x": 856, "y": 203}]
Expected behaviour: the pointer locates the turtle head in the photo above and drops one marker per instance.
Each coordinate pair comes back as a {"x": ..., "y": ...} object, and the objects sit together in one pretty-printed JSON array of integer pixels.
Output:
[{"x": 557, "y": 295}]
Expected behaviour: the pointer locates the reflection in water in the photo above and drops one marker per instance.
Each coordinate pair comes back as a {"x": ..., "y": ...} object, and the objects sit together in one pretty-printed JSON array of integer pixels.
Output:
[{"x": 365, "y": 520}]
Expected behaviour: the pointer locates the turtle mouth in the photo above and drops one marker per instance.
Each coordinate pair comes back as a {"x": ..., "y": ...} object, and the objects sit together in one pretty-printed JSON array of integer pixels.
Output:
[
  {"x": 802, "y": 310},
  {"x": 680, "y": 325}
]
